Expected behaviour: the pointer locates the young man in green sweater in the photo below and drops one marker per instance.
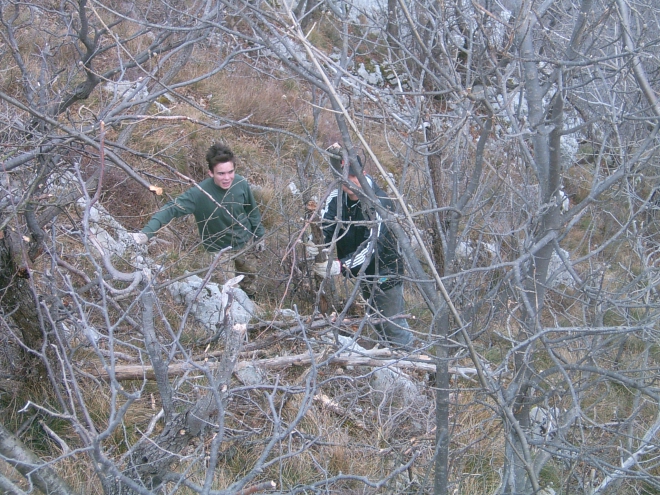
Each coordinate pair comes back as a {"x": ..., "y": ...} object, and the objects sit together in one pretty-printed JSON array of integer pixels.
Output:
[{"x": 225, "y": 211}]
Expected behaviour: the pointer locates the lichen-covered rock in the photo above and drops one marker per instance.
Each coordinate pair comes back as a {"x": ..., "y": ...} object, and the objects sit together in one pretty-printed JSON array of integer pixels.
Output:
[{"x": 208, "y": 304}]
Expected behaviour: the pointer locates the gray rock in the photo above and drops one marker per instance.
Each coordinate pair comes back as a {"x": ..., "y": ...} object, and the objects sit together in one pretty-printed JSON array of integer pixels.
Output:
[
  {"x": 374, "y": 78},
  {"x": 208, "y": 304},
  {"x": 286, "y": 314},
  {"x": 557, "y": 273},
  {"x": 251, "y": 375},
  {"x": 394, "y": 390}
]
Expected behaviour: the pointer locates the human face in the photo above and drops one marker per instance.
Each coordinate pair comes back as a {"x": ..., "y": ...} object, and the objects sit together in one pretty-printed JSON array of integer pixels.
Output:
[
  {"x": 351, "y": 195},
  {"x": 223, "y": 174}
]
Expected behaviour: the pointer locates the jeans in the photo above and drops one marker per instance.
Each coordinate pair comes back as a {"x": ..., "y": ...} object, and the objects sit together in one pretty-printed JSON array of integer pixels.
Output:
[{"x": 385, "y": 303}]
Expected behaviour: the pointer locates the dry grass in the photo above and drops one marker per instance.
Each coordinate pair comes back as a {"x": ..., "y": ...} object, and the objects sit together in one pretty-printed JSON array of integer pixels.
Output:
[
  {"x": 477, "y": 440},
  {"x": 259, "y": 99},
  {"x": 477, "y": 444}
]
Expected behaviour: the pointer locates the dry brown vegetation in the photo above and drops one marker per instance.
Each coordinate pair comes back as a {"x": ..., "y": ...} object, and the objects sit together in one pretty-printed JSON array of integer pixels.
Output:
[{"x": 594, "y": 345}]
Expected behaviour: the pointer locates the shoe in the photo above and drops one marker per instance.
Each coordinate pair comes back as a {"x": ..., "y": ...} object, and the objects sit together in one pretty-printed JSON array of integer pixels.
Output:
[{"x": 249, "y": 290}]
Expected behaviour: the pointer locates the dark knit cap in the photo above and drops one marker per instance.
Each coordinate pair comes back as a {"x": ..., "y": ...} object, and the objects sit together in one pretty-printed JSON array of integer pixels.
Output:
[{"x": 338, "y": 167}]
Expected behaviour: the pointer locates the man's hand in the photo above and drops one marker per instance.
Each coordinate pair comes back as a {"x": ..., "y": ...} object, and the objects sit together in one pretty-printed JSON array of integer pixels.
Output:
[
  {"x": 335, "y": 150},
  {"x": 322, "y": 269},
  {"x": 139, "y": 237},
  {"x": 336, "y": 159},
  {"x": 260, "y": 246}
]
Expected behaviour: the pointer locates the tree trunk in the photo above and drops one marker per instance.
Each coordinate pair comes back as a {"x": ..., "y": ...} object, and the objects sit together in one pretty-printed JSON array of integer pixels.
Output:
[
  {"x": 16, "y": 296},
  {"x": 328, "y": 299},
  {"x": 14, "y": 452},
  {"x": 441, "y": 330},
  {"x": 435, "y": 171},
  {"x": 392, "y": 28},
  {"x": 151, "y": 459},
  {"x": 442, "y": 400}
]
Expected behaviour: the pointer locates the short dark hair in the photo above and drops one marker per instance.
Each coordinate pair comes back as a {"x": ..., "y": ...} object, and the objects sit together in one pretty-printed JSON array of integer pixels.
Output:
[
  {"x": 219, "y": 153},
  {"x": 338, "y": 167}
]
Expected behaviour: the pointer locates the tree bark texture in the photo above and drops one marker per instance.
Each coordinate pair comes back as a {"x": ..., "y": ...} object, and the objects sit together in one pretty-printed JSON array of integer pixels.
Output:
[
  {"x": 16, "y": 296},
  {"x": 14, "y": 452},
  {"x": 151, "y": 459}
]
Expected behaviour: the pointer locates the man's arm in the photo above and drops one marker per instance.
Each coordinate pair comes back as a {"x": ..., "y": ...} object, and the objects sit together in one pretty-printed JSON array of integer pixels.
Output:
[
  {"x": 354, "y": 259},
  {"x": 329, "y": 217},
  {"x": 254, "y": 215},
  {"x": 179, "y": 207},
  {"x": 364, "y": 253},
  {"x": 328, "y": 226}
]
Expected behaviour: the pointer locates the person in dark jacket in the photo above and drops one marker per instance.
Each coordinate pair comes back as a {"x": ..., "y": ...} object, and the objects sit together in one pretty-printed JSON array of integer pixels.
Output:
[
  {"x": 225, "y": 211},
  {"x": 366, "y": 249}
]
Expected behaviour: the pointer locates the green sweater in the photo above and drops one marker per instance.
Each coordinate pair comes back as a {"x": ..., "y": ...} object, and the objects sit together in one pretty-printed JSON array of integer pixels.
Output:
[{"x": 231, "y": 218}]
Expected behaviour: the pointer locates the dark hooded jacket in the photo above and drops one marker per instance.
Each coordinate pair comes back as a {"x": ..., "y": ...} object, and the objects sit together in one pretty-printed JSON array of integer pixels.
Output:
[{"x": 359, "y": 229}]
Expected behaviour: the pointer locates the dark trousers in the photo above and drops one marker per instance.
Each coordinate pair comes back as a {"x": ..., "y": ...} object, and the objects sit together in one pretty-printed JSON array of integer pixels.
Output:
[{"x": 383, "y": 304}]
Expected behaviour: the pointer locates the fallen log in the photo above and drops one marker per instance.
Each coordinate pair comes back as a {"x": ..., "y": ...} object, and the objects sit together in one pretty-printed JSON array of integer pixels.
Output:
[
  {"x": 376, "y": 358},
  {"x": 346, "y": 327}
]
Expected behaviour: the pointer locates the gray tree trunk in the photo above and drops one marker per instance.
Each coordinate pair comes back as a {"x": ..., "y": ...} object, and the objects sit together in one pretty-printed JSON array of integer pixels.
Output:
[{"x": 15, "y": 453}]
